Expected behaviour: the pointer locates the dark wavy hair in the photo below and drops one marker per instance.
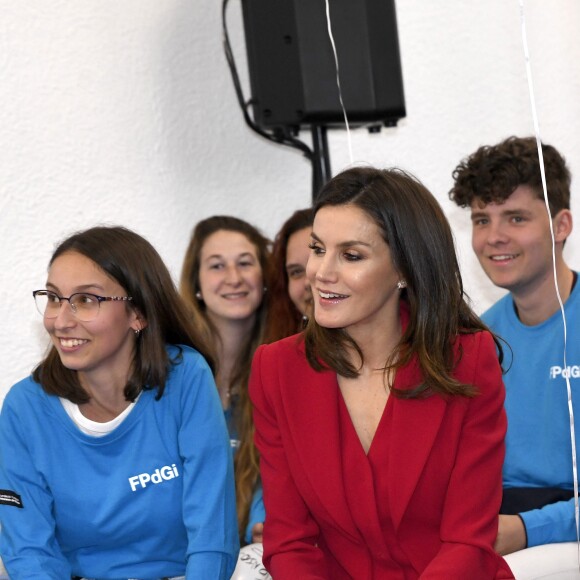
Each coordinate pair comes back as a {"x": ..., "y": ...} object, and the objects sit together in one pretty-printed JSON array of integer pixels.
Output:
[
  {"x": 422, "y": 248},
  {"x": 134, "y": 263},
  {"x": 492, "y": 173},
  {"x": 246, "y": 461},
  {"x": 284, "y": 319}
]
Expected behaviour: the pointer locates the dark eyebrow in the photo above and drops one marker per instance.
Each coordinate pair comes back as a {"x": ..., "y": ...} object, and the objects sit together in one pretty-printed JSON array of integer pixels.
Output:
[
  {"x": 506, "y": 213},
  {"x": 82, "y": 288},
  {"x": 478, "y": 214},
  {"x": 344, "y": 244},
  {"x": 521, "y": 211},
  {"x": 243, "y": 255}
]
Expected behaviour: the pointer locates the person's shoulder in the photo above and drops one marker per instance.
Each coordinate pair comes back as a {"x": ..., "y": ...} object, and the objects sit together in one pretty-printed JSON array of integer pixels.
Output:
[
  {"x": 185, "y": 356},
  {"x": 573, "y": 302},
  {"x": 186, "y": 351},
  {"x": 286, "y": 355},
  {"x": 291, "y": 346},
  {"x": 187, "y": 366},
  {"x": 26, "y": 387},
  {"x": 473, "y": 347},
  {"x": 474, "y": 341},
  {"x": 498, "y": 311},
  {"x": 281, "y": 365},
  {"x": 24, "y": 393},
  {"x": 293, "y": 342},
  {"x": 189, "y": 375},
  {"x": 477, "y": 361}
]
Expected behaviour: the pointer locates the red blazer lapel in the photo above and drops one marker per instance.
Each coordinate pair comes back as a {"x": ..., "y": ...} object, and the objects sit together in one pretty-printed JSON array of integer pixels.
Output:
[
  {"x": 414, "y": 429},
  {"x": 310, "y": 401}
]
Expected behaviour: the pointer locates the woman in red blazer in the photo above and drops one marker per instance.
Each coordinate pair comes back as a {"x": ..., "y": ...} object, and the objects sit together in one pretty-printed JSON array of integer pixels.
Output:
[{"x": 381, "y": 429}]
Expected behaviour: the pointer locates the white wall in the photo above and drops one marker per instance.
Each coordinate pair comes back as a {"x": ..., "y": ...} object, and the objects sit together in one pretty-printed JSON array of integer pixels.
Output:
[{"x": 124, "y": 112}]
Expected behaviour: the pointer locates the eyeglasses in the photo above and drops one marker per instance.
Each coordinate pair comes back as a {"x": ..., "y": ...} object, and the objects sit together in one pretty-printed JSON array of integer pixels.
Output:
[{"x": 83, "y": 305}]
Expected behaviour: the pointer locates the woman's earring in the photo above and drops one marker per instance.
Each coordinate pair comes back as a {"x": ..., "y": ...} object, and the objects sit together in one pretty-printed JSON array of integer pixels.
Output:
[
  {"x": 401, "y": 284},
  {"x": 137, "y": 332},
  {"x": 265, "y": 289},
  {"x": 198, "y": 295}
]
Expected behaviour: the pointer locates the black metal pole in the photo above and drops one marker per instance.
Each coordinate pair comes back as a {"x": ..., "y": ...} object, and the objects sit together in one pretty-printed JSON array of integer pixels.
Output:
[{"x": 320, "y": 159}]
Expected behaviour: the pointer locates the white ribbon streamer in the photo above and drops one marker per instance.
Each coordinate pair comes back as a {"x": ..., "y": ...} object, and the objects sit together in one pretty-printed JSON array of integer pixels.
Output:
[
  {"x": 543, "y": 175},
  {"x": 338, "y": 81}
]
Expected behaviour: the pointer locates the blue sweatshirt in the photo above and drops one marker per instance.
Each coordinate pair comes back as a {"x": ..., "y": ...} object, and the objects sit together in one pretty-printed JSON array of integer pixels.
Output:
[
  {"x": 538, "y": 444},
  {"x": 153, "y": 498}
]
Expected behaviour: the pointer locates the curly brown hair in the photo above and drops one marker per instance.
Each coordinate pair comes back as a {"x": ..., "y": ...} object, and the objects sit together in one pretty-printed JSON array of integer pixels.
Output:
[{"x": 493, "y": 172}]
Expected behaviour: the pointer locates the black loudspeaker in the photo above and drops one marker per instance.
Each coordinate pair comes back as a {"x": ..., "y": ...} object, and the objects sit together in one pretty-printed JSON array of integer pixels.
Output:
[{"x": 292, "y": 66}]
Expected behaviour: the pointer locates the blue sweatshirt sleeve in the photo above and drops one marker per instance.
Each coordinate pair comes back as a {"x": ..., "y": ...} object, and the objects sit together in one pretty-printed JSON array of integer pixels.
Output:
[
  {"x": 551, "y": 524},
  {"x": 209, "y": 506},
  {"x": 257, "y": 513},
  {"x": 28, "y": 544}
]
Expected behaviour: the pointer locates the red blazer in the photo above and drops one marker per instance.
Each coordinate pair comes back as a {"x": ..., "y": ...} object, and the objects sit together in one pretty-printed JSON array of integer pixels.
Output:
[{"x": 445, "y": 463}]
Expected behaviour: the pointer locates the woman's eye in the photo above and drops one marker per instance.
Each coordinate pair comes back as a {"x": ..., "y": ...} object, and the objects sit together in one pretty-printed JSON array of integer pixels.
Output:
[
  {"x": 296, "y": 273},
  {"x": 216, "y": 266},
  {"x": 316, "y": 249},
  {"x": 85, "y": 299},
  {"x": 351, "y": 257}
]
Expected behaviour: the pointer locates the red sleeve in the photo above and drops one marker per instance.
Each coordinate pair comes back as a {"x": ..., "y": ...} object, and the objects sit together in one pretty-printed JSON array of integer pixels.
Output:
[
  {"x": 470, "y": 515},
  {"x": 290, "y": 532}
]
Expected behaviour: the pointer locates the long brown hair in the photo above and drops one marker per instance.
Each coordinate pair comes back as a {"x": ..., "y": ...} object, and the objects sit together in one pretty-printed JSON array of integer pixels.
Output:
[
  {"x": 134, "y": 263},
  {"x": 422, "y": 248},
  {"x": 284, "y": 319},
  {"x": 246, "y": 461}
]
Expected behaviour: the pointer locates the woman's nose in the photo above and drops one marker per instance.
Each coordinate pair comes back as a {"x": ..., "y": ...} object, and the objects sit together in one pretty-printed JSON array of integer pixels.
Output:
[
  {"x": 65, "y": 316},
  {"x": 233, "y": 275},
  {"x": 326, "y": 271}
]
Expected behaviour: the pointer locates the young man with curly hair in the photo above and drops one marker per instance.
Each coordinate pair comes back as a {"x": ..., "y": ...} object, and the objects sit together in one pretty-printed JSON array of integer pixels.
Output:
[{"x": 512, "y": 238}]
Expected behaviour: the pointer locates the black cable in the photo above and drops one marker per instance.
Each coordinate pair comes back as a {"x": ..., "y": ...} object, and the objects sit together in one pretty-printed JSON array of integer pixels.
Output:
[{"x": 282, "y": 135}]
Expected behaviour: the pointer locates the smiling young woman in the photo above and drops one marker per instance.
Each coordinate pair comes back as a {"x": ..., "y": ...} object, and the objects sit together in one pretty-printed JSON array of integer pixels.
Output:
[
  {"x": 114, "y": 454},
  {"x": 99, "y": 349},
  {"x": 224, "y": 281},
  {"x": 381, "y": 430}
]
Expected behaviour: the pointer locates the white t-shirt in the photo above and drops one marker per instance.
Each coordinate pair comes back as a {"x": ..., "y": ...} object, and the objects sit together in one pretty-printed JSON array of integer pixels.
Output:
[{"x": 94, "y": 428}]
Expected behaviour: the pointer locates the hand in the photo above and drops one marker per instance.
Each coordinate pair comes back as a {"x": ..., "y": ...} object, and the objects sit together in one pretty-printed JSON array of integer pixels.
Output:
[
  {"x": 257, "y": 533},
  {"x": 511, "y": 535}
]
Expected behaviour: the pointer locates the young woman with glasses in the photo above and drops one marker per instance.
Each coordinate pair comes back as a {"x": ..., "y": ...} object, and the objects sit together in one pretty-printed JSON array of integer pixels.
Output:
[
  {"x": 114, "y": 454},
  {"x": 224, "y": 281}
]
